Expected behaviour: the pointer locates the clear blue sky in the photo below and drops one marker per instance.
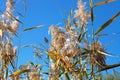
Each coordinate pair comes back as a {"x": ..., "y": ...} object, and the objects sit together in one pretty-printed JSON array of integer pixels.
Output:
[{"x": 48, "y": 12}]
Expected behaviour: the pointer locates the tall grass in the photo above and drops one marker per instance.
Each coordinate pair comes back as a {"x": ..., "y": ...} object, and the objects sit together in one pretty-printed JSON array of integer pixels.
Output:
[{"x": 72, "y": 55}]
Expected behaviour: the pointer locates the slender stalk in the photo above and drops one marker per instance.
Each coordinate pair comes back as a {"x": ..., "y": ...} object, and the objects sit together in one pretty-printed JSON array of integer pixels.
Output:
[{"x": 67, "y": 77}]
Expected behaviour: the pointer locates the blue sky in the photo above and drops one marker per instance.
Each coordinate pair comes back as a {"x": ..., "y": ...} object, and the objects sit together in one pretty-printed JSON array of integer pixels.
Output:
[{"x": 48, "y": 12}]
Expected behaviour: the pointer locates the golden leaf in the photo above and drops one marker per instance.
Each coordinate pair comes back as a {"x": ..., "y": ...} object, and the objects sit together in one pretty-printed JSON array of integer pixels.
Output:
[{"x": 18, "y": 72}]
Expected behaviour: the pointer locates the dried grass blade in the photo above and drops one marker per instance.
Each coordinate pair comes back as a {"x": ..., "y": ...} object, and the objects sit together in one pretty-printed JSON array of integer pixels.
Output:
[
  {"x": 103, "y": 53},
  {"x": 31, "y": 28},
  {"x": 91, "y": 2},
  {"x": 18, "y": 72},
  {"x": 12, "y": 31},
  {"x": 103, "y": 2},
  {"x": 110, "y": 0},
  {"x": 14, "y": 18},
  {"x": 109, "y": 67}
]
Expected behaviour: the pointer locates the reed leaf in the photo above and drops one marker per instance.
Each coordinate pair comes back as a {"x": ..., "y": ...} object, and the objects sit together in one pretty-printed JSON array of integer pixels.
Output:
[
  {"x": 33, "y": 65},
  {"x": 91, "y": 3},
  {"x": 50, "y": 56},
  {"x": 80, "y": 35},
  {"x": 80, "y": 38},
  {"x": 14, "y": 18},
  {"x": 31, "y": 28},
  {"x": 109, "y": 67},
  {"x": 6, "y": 68},
  {"x": 11, "y": 31},
  {"x": 103, "y": 2},
  {"x": 91, "y": 7},
  {"x": 103, "y": 53},
  {"x": 18, "y": 72},
  {"x": 107, "y": 23}
]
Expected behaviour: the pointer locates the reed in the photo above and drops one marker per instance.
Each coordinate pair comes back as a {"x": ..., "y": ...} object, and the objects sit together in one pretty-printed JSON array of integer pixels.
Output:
[{"x": 72, "y": 54}]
